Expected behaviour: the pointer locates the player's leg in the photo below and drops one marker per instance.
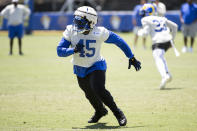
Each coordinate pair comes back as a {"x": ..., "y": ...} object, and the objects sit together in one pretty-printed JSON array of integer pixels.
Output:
[
  {"x": 162, "y": 67},
  {"x": 20, "y": 35},
  {"x": 135, "y": 41},
  {"x": 191, "y": 44},
  {"x": 97, "y": 104},
  {"x": 185, "y": 30},
  {"x": 11, "y": 45},
  {"x": 20, "y": 46},
  {"x": 158, "y": 55},
  {"x": 184, "y": 49},
  {"x": 192, "y": 34},
  {"x": 135, "y": 30},
  {"x": 97, "y": 80},
  {"x": 144, "y": 42},
  {"x": 11, "y": 35}
]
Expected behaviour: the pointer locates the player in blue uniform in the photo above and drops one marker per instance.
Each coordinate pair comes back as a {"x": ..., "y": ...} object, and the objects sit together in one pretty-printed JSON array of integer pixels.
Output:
[
  {"x": 136, "y": 20},
  {"x": 83, "y": 40},
  {"x": 188, "y": 19}
]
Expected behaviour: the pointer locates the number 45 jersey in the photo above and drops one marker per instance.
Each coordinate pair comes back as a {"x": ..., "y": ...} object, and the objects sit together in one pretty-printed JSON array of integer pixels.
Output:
[
  {"x": 159, "y": 29},
  {"x": 92, "y": 45}
]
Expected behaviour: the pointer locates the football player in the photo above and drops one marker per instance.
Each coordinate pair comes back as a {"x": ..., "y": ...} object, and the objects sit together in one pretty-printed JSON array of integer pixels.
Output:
[
  {"x": 188, "y": 18},
  {"x": 136, "y": 20},
  {"x": 15, "y": 14},
  {"x": 83, "y": 40},
  {"x": 162, "y": 32}
]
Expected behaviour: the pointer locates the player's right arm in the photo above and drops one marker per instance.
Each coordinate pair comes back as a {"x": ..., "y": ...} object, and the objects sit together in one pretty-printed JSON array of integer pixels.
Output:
[
  {"x": 181, "y": 15},
  {"x": 134, "y": 16},
  {"x": 64, "y": 49},
  {"x": 118, "y": 41},
  {"x": 5, "y": 12}
]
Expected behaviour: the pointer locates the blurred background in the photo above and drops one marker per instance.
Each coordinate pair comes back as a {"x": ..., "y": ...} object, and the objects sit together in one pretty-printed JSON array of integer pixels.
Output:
[
  {"x": 106, "y": 5},
  {"x": 56, "y": 14}
]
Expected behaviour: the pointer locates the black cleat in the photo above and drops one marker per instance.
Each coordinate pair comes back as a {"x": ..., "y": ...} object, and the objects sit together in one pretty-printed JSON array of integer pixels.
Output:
[
  {"x": 122, "y": 120},
  {"x": 97, "y": 116},
  {"x": 21, "y": 53}
]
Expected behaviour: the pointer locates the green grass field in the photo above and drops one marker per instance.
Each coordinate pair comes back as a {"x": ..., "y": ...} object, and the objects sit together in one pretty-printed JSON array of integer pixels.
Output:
[{"x": 38, "y": 91}]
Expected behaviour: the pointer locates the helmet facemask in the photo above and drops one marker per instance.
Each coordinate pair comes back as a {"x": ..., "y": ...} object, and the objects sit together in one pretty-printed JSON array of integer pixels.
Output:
[
  {"x": 81, "y": 24},
  {"x": 85, "y": 18}
]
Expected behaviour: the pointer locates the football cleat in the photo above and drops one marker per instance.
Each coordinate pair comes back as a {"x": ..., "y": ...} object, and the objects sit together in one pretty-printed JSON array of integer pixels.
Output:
[
  {"x": 121, "y": 118},
  {"x": 97, "y": 116},
  {"x": 184, "y": 49},
  {"x": 165, "y": 80},
  {"x": 21, "y": 53},
  {"x": 190, "y": 50}
]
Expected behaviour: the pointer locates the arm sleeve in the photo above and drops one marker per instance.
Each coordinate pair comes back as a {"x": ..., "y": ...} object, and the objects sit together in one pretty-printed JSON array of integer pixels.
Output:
[
  {"x": 173, "y": 26},
  {"x": 145, "y": 30},
  {"x": 118, "y": 41},
  {"x": 63, "y": 49},
  {"x": 135, "y": 11}
]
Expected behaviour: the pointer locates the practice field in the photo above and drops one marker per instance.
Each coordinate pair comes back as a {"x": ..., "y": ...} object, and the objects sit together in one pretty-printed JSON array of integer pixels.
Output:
[{"x": 38, "y": 91}]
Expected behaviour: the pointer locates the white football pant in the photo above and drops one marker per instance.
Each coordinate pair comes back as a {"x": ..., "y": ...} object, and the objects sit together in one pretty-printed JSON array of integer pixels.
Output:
[{"x": 160, "y": 61}]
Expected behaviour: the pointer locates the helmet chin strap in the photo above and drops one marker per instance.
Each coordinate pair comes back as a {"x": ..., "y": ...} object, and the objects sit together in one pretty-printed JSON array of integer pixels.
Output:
[
  {"x": 15, "y": 4},
  {"x": 86, "y": 32}
]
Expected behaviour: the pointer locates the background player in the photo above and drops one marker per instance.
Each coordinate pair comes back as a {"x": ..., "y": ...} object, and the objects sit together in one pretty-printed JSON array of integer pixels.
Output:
[
  {"x": 15, "y": 14},
  {"x": 136, "y": 20},
  {"x": 83, "y": 40},
  {"x": 188, "y": 19},
  {"x": 159, "y": 29}
]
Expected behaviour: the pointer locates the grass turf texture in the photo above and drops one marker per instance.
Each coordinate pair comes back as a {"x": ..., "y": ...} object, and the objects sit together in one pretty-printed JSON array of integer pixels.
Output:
[{"x": 38, "y": 91}]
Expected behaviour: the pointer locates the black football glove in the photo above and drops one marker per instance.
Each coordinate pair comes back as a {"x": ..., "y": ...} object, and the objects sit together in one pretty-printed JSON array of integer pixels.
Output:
[
  {"x": 78, "y": 48},
  {"x": 135, "y": 63}
]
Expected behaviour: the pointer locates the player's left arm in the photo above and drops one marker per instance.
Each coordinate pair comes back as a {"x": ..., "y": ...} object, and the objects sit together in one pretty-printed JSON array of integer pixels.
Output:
[
  {"x": 173, "y": 26},
  {"x": 26, "y": 12},
  {"x": 118, "y": 41}
]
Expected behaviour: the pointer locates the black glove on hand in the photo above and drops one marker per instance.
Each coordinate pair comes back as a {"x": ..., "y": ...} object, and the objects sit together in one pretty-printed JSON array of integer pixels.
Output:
[
  {"x": 135, "y": 63},
  {"x": 78, "y": 48}
]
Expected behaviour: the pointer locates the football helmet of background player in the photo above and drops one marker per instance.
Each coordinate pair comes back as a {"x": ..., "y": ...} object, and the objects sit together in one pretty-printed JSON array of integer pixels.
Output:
[
  {"x": 148, "y": 9},
  {"x": 85, "y": 18}
]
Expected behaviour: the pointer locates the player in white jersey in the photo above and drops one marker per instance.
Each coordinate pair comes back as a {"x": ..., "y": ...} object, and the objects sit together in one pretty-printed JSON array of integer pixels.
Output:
[
  {"x": 159, "y": 30},
  {"x": 15, "y": 14},
  {"x": 83, "y": 40}
]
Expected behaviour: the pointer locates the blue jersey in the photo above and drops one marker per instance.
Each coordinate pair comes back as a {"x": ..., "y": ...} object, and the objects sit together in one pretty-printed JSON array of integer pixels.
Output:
[
  {"x": 137, "y": 16},
  {"x": 189, "y": 13}
]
